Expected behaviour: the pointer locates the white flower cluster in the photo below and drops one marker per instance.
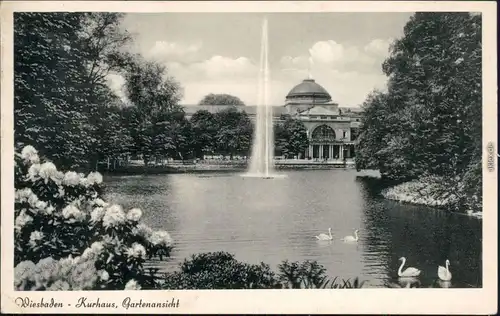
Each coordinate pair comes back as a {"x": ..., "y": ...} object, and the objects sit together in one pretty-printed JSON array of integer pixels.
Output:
[
  {"x": 132, "y": 285},
  {"x": 100, "y": 202},
  {"x": 419, "y": 192},
  {"x": 30, "y": 155},
  {"x": 134, "y": 215},
  {"x": 35, "y": 238},
  {"x": 49, "y": 274},
  {"x": 113, "y": 217},
  {"x": 22, "y": 220},
  {"x": 160, "y": 238},
  {"x": 94, "y": 178},
  {"x": 142, "y": 230},
  {"x": 97, "y": 214},
  {"x": 72, "y": 212},
  {"x": 36, "y": 206},
  {"x": 137, "y": 251},
  {"x": 71, "y": 179},
  {"x": 104, "y": 275},
  {"x": 93, "y": 251},
  {"x": 48, "y": 171}
]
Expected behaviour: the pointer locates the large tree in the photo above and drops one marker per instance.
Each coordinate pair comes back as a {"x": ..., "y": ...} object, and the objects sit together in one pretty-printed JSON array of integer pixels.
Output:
[
  {"x": 221, "y": 99},
  {"x": 154, "y": 98},
  {"x": 204, "y": 132},
  {"x": 234, "y": 132},
  {"x": 290, "y": 136},
  {"x": 50, "y": 97},
  {"x": 429, "y": 121},
  {"x": 59, "y": 80},
  {"x": 173, "y": 136}
]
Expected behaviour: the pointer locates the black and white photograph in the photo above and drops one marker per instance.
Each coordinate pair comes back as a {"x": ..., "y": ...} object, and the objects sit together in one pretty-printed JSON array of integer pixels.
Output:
[{"x": 187, "y": 149}]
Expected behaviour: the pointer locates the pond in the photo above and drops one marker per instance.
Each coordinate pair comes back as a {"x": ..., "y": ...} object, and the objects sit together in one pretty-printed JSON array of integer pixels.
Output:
[{"x": 272, "y": 220}]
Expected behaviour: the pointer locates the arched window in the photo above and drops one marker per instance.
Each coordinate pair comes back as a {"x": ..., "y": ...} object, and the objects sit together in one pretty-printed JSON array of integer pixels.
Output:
[
  {"x": 323, "y": 132},
  {"x": 354, "y": 133}
]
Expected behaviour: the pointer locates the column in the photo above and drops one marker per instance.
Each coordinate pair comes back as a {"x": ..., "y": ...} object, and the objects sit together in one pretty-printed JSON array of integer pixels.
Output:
[
  {"x": 320, "y": 151},
  {"x": 331, "y": 151},
  {"x": 341, "y": 152},
  {"x": 310, "y": 151}
]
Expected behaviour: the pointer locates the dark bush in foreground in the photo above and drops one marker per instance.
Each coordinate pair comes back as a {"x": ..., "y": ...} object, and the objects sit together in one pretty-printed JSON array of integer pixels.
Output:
[{"x": 220, "y": 270}]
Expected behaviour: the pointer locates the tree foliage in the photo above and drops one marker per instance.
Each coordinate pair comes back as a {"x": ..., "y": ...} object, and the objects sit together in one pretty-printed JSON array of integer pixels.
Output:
[
  {"x": 221, "y": 99},
  {"x": 60, "y": 66},
  {"x": 234, "y": 132},
  {"x": 429, "y": 121},
  {"x": 290, "y": 136},
  {"x": 204, "y": 129},
  {"x": 155, "y": 120}
]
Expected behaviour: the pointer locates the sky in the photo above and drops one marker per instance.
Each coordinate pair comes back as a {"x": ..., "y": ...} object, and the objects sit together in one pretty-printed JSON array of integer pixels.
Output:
[{"x": 220, "y": 52}]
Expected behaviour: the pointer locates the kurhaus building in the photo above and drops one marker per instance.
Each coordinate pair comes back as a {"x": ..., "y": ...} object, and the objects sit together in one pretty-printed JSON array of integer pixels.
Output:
[{"x": 332, "y": 130}]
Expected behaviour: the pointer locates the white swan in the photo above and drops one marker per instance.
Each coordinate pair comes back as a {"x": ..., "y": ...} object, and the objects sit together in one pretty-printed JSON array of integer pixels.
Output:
[
  {"x": 444, "y": 273},
  {"x": 351, "y": 238},
  {"x": 325, "y": 236},
  {"x": 409, "y": 272}
]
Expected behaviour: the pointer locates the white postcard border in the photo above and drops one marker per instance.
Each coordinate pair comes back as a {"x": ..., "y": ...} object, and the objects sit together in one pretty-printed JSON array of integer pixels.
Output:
[{"x": 364, "y": 301}]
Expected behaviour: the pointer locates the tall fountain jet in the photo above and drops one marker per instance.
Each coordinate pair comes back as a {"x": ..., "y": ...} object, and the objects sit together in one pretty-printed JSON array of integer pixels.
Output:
[{"x": 261, "y": 162}]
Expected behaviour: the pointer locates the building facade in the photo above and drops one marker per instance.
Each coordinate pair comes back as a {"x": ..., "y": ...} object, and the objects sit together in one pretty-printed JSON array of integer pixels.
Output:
[{"x": 332, "y": 130}]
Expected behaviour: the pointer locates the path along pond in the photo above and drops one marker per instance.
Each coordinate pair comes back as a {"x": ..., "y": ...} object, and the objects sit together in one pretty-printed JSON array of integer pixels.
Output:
[{"x": 272, "y": 220}]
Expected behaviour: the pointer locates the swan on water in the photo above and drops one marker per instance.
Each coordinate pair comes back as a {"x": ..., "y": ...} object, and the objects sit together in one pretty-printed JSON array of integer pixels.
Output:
[
  {"x": 325, "y": 236},
  {"x": 409, "y": 272},
  {"x": 444, "y": 273},
  {"x": 352, "y": 238}
]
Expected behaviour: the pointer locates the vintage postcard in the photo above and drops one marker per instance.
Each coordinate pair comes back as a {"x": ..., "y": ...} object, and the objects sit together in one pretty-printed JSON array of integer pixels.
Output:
[{"x": 249, "y": 157}]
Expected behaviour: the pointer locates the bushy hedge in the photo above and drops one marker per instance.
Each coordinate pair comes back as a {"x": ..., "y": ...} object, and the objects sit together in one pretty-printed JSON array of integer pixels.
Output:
[
  {"x": 68, "y": 238},
  {"x": 220, "y": 270}
]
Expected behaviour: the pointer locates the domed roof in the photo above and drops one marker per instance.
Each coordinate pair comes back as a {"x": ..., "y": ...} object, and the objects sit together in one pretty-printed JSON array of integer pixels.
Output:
[{"x": 308, "y": 88}]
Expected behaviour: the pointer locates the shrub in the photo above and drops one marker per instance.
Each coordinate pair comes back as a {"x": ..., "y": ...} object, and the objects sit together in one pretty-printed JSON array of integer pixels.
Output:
[
  {"x": 310, "y": 275},
  {"x": 220, "y": 270},
  {"x": 68, "y": 238}
]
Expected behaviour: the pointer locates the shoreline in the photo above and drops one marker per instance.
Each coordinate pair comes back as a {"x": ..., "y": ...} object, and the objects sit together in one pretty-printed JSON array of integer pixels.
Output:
[
  {"x": 419, "y": 193},
  {"x": 224, "y": 167},
  {"x": 415, "y": 192}
]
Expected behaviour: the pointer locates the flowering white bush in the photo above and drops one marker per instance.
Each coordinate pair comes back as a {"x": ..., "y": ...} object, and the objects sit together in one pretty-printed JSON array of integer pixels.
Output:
[
  {"x": 435, "y": 191},
  {"x": 68, "y": 238}
]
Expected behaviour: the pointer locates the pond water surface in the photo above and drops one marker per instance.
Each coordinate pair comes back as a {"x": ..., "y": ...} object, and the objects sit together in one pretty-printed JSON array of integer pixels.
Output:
[{"x": 272, "y": 220}]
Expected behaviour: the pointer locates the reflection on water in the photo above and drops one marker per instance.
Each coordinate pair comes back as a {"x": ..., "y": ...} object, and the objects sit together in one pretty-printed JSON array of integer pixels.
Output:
[{"x": 277, "y": 219}]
